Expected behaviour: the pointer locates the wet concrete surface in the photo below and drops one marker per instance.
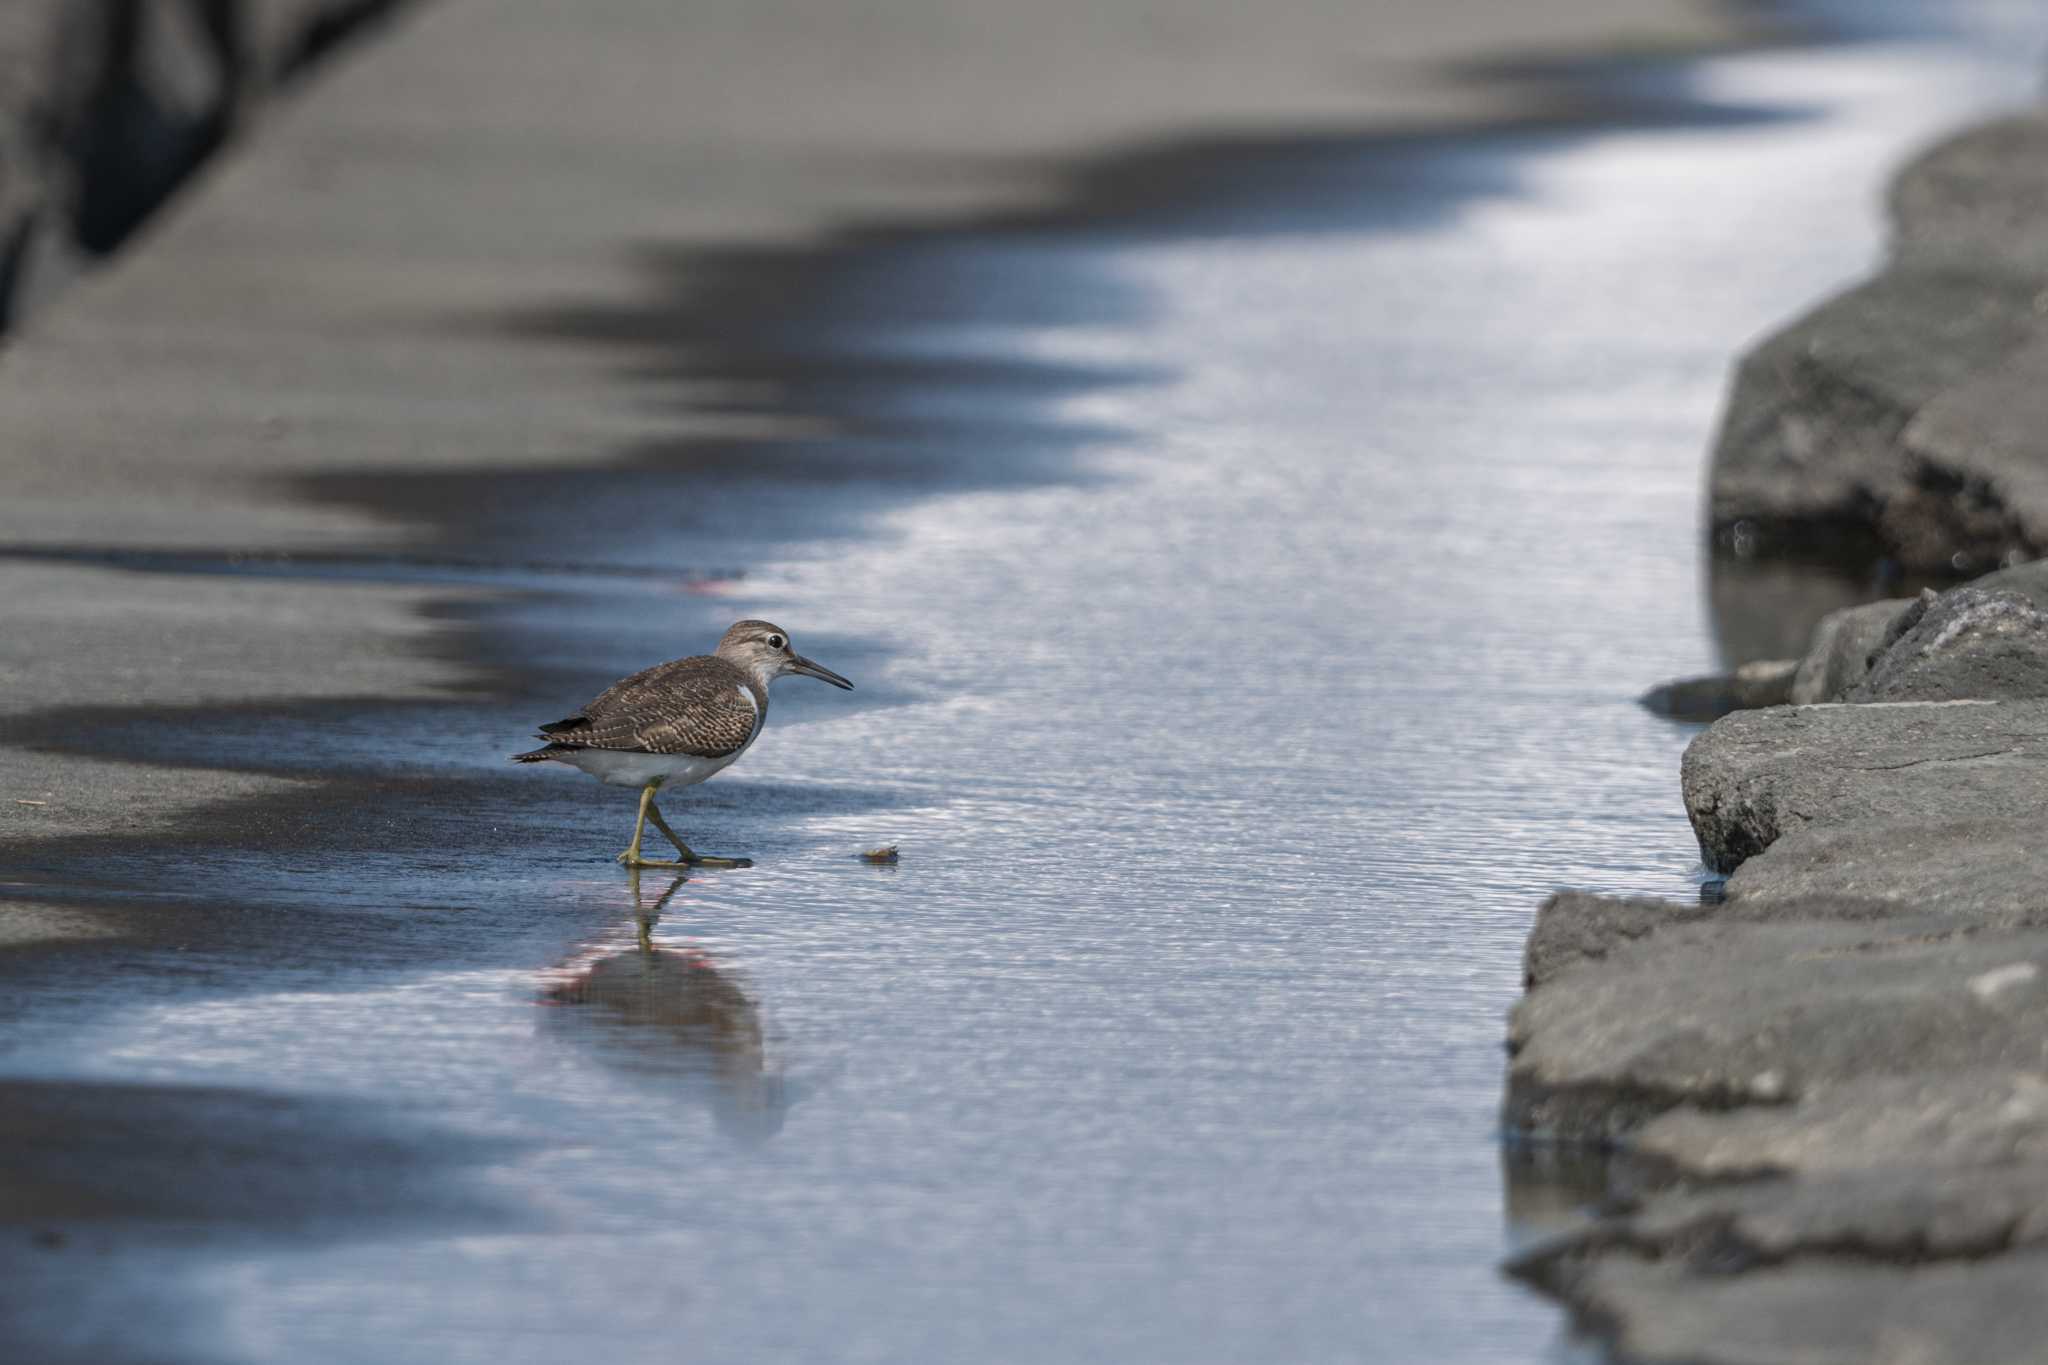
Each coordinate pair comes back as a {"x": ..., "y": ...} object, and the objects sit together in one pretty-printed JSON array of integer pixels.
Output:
[{"x": 1173, "y": 1035}]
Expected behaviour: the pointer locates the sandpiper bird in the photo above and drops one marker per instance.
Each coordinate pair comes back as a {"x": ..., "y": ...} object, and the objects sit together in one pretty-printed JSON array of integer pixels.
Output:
[{"x": 677, "y": 723}]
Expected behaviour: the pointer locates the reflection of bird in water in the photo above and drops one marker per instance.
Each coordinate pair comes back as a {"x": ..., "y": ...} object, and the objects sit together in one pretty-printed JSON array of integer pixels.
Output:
[{"x": 670, "y": 1012}]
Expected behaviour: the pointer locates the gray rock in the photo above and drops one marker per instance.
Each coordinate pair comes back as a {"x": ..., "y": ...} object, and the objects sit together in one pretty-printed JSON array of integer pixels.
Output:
[
  {"x": 1992, "y": 871},
  {"x": 1857, "y": 1096},
  {"x": 1752, "y": 1272},
  {"x": 1843, "y": 645},
  {"x": 1573, "y": 928},
  {"x": 1813, "y": 437},
  {"x": 1977, "y": 198},
  {"x": 1983, "y": 455},
  {"x": 1970, "y": 644},
  {"x": 1836, "y": 1081},
  {"x": 1758, "y": 775},
  {"x": 1819, "y": 1311},
  {"x": 1910, "y": 414},
  {"x": 1925, "y": 1122},
  {"x": 1722, "y": 1016},
  {"x": 1889, "y": 1215},
  {"x": 1834, "y": 1085},
  {"x": 2003, "y": 653},
  {"x": 2029, "y": 580}
]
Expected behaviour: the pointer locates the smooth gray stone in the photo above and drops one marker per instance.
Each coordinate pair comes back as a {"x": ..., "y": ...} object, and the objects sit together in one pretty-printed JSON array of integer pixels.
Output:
[
  {"x": 1723, "y": 1015},
  {"x": 1978, "y": 198},
  {"x": 1757, "y": 775},
  {"x": 1988, "y": 870},
  {"x": 1843, "y": 645},
  {"x": 1972, "y": 643},
  {"x": 1926, "y": 1122},
  {"x": 1574, "y": 928}
]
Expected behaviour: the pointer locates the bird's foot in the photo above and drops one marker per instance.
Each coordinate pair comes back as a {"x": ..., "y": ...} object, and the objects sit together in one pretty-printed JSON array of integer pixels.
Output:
[{"x": 633, "y": 860}]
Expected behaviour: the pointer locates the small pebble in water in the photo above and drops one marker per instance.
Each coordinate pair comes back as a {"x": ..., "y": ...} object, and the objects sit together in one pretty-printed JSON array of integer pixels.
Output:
[{"x": 885, "y": 854}]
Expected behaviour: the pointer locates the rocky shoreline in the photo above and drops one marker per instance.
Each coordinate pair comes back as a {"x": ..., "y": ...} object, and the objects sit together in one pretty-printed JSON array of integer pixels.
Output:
[{"x": 1827, "y": 1084}]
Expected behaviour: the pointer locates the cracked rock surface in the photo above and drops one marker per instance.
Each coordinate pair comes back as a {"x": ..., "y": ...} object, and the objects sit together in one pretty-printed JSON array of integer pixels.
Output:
[
  {"x": 1759, "y": 775},
  {"x": 1973, "y": 643}
]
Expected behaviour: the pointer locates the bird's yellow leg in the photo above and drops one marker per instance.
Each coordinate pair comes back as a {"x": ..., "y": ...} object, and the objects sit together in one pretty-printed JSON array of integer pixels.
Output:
[
  {"x": 689, "y": 858},
  {"x": 631, "y": 857},
  {"x": 654, "y": 814}
]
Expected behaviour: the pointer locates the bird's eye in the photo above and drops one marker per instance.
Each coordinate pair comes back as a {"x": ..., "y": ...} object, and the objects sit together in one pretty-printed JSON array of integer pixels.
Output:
[{"x": 776, "y": 642}]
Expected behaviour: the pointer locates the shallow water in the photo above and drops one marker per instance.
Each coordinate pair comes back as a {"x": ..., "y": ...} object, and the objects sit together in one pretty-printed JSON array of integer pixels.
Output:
[{"x": 1266, "y": 655}]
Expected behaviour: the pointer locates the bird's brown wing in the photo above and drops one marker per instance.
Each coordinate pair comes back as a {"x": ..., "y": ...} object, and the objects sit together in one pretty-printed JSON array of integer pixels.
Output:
[{"x": 699, "y": 706}]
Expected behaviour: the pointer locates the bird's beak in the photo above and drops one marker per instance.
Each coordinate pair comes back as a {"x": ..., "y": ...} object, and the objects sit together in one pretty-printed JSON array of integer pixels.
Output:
[{"x": 799, "y": 664}]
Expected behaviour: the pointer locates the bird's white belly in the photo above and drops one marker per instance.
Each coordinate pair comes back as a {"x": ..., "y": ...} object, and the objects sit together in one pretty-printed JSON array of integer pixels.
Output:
[{"x": 624, "y": 768}]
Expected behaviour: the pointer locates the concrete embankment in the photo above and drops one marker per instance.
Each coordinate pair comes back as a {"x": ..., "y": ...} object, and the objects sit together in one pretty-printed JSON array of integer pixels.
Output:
[{"x": 1830, "y": 1088}]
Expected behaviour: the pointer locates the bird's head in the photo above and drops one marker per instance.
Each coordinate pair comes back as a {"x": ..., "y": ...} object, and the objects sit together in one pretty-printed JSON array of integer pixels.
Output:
[{"x": 762, "y": 648}]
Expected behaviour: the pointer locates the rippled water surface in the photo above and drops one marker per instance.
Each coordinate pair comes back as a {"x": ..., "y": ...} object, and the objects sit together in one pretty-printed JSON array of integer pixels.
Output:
[{"x": 1264, "y": 655}]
